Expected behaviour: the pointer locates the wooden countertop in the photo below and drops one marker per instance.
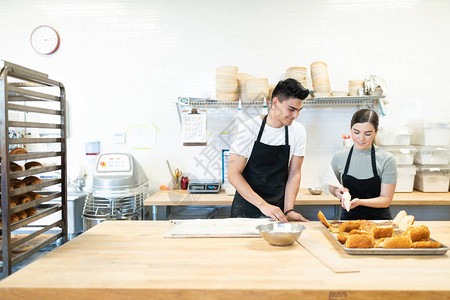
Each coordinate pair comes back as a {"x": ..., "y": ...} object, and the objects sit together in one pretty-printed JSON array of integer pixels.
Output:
[
  {"x": 131, "y": 259},
  {"x": 182, "y": 197}
]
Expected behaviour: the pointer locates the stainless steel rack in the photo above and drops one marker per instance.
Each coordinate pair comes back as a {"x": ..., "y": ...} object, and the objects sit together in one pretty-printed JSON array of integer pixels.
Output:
[
  {"x": 370, "y": 101},
  {"x": 24, "y": 91}
]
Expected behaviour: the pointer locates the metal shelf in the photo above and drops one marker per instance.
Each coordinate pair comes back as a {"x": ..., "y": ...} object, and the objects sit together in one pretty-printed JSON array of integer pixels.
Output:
[
  {"x": 328, "y": 101},
  {"x": 349, "y": 100}
]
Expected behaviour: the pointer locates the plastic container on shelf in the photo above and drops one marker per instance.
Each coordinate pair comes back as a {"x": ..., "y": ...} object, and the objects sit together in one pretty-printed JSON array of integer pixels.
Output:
[
  {"x": 404, "y": 155},
  {"x": 432, "y": 178},
  {"x": 395, "y": 136},
  {"x": 405, "y": 179},
  {"x": 431, "y": 155},
  {"x": 430, "y": 133}
]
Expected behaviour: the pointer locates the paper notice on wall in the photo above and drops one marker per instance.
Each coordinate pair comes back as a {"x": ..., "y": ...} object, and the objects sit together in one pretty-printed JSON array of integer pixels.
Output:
[
  {"x": 142, "y": 136},
  {"x": 194, "y": 129}
]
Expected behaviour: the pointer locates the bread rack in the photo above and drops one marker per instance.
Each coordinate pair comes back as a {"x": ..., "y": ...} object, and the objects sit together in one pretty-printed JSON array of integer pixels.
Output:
[{"x": 25, "y": 93}]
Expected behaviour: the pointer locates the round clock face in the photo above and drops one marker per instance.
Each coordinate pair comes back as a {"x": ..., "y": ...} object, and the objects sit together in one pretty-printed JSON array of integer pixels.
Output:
[{"x": 44, "y": 39}]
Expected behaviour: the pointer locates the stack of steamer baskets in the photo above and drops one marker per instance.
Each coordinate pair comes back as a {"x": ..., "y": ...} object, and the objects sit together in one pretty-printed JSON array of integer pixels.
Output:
[
  {"x": 242, "y": 87},
  {"x": 320, "y": 79},
  {"x": 227, "y": 83},
  {"x": 257, "y": 89},
  {"x": 297, "y": 73},
  {"x": 356, "y": 87}
]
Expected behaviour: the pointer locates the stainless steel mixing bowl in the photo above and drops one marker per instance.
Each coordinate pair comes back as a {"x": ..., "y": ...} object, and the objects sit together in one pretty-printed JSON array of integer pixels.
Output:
[
  {"x": 280, "y": 234},
  {"x": 315, "y": 191}
]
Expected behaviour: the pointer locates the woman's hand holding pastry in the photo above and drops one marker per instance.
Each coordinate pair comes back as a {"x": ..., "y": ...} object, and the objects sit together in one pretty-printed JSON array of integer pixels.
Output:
[{"x": 338, "y": 192}]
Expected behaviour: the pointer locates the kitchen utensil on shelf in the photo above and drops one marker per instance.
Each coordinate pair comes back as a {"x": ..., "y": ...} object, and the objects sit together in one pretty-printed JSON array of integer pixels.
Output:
[
  {"x": 280, "y": 234},
  {"x": 171, "y": 174}
]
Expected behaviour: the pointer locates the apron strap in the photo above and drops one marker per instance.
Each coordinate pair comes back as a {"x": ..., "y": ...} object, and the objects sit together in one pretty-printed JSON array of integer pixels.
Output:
[
  {"x": 261, "y": 129},
  {"x": 374, "y": 164},
  {"x": 286, "y": 135},
  {"x": 372, "y": 155},
  {"x": 347, "y": 164}
]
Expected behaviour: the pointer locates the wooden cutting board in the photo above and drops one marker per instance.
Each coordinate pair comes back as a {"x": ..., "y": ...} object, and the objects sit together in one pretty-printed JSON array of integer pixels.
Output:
[{"x": 329, "y": 258}]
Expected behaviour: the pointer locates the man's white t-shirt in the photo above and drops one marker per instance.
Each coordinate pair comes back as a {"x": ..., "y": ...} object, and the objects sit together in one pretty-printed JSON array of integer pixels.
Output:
[{"x": 248, "y": 133}]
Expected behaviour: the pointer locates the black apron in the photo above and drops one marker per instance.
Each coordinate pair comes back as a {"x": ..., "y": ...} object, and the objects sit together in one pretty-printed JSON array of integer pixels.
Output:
[
  {"x": 364, "y": 189},
  {"x": 266, "y": 172}
]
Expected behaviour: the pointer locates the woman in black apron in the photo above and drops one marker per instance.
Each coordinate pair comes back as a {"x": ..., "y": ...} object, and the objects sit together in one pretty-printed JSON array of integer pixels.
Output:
[
  {"x": 370, "y": 198},
  {"x": 261, "y": 181}
]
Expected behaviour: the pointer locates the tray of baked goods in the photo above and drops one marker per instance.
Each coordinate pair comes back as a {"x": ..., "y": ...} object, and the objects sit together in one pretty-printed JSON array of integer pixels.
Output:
[{"x": 389, "y": 237}]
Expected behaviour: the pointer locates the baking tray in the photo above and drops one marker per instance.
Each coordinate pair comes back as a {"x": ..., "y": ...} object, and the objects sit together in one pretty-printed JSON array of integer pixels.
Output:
[{"x": 382, "y": 251}]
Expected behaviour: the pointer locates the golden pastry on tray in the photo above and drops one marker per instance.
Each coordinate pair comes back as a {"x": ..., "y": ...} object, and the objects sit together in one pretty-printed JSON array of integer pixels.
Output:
[{"x": 396, "y": 234}]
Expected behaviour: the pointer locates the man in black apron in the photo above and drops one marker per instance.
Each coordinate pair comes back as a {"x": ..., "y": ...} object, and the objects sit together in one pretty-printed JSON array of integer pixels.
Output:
[{"x": 267, "y": 183}]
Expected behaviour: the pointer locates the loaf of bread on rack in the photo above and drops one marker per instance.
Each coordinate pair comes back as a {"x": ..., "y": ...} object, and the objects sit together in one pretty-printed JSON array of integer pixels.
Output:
[
  {"x": 33, "y": 165},
  {"x": 30, "y": 180},
  {"x": 22, "y": 215},
  {"x": 22, "y": 199},
  {"x": 13, "y": 167},
  {"x": 31, "y": 211},
  {"x": 34, "y": 196},
  {"x": 17, "y": 183},
  {"x": 14, "y": 218},
  {"x": 18, "y": 150}
]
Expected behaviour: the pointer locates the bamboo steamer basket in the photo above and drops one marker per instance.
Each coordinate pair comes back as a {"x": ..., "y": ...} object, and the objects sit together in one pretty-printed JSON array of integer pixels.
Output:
[
  {"x": 257, "y": 89},
  {"x": 297, "y": 73},
  {"x": 354, "y": 86},
  {"x": 227, "y": 96},
  {"x": 339, "y": 93},
  {"x": 319, "y": 77},
  {"x": 321, "y": 94},
  {"x": 227, "y": 70},
  {"x": 242, "y": 89}
]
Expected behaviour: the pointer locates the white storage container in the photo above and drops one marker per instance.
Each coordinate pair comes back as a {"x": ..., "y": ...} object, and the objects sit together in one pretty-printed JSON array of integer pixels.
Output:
[
  {"x": 404, "y": 155},
  {"x": 391, "y": 136},
  {"x": 432, "y": 179},
  {"x": 405, "y": 179},
  {"x": 431, "y": 155},
  {"x": 430, "y": 133}
]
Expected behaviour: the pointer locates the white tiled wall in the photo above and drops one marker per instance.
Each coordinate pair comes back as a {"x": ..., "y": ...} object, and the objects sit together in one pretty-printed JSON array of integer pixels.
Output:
[{"x": 124, "y": 63}]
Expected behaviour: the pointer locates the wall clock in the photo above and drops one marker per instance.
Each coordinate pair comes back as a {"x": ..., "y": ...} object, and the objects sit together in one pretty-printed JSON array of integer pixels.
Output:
[{"x": 45, "y": 39}]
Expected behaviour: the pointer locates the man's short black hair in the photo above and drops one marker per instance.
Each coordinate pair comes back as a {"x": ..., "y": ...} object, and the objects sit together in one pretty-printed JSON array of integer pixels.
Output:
[{"x": 290, "y": 88}]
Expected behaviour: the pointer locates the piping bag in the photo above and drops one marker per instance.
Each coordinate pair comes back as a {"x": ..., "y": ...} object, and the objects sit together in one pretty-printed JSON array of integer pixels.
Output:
[{"x": 328, "y": 178}]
